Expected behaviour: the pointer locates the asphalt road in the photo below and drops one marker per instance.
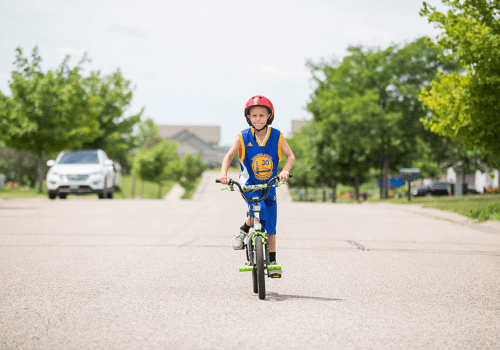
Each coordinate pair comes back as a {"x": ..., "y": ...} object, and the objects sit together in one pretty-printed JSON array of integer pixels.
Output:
[{"x": 85, "y": 273}]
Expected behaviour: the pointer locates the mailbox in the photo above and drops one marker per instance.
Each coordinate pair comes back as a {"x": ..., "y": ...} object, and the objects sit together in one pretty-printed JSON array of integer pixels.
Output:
[{"x": 409, "y": 174}]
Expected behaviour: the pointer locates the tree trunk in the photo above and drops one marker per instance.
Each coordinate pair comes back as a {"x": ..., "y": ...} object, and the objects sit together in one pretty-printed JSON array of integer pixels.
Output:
[
  {"x": 40, "y": 174},
  {"x": 324, "y": 194},
  {"x": 357, "y": 187},
  {"x": 386, "y": 175},
  {"x": 381, "y": 176},
  {"x": 334, "y": 193}
]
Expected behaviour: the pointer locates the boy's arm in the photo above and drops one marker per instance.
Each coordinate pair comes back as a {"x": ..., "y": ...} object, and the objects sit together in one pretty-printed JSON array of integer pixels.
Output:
[
  {"x": 227, "y": 161},
  {"x": 290, "y": 159}
]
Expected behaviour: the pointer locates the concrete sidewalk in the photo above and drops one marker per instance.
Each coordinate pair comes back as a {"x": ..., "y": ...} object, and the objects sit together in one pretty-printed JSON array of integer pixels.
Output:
[
  {"x": 175, "y": 193},
  {"x": 488, "y": 226}
]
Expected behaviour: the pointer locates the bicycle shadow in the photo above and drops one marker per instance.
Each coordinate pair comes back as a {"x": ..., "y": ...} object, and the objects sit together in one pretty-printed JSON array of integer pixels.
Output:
[{"x": 272, "y": 296}]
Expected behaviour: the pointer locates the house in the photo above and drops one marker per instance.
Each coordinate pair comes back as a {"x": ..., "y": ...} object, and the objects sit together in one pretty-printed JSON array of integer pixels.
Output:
[
  {"x": 196, "y": 139},
  {"x": 297, "y": 124},
  {"x": 479, "y": 180}
]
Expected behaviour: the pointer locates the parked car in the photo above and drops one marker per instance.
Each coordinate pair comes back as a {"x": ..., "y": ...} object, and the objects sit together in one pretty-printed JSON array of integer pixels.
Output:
[
  {"x": 472, "y": 190},
  {"x": 78, "y": 172},
  {"x": 438, "y": 188}
]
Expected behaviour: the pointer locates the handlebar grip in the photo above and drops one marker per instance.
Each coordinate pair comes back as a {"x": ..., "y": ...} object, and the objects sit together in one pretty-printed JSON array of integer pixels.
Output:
[{"x": 217, "y": 181}]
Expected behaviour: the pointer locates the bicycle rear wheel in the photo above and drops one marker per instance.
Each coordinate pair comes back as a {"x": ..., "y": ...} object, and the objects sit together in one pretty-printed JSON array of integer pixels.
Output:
[{"x": 259, "y": 257}]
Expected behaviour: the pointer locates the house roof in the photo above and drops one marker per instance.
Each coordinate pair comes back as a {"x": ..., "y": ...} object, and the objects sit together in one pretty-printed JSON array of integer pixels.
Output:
[
  {"x": 210, "y": 134},
  {"x": 197, "y": 142},
  {"x": 297, "y": 124}
]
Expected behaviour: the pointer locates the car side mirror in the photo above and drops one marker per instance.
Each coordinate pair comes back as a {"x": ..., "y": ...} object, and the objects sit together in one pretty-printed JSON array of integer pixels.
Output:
[
  {"x": 51, "y": 162},
  {"x": 108, "y": 162}
]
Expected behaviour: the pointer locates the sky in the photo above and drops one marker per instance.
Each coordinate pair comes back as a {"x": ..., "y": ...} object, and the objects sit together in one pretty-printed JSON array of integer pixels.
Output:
[{"x": 198, "y": 62}]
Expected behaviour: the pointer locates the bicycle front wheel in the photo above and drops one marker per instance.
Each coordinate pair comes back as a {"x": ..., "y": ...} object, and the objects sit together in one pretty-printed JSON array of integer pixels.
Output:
[
  {"x": 259, "y": 257},
  {"x": 251, "y": 257}
]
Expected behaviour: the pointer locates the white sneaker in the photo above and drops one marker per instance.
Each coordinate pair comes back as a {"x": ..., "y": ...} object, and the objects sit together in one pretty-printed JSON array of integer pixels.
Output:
[{"x": 237, "y": 241}]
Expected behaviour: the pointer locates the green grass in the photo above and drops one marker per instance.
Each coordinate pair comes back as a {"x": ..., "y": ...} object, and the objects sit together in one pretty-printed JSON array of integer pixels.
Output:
[
  {"x": 147, "y": 190},
  {"x": 143, "y": 189},
  {"x": 477, "y": 207},
  {"x": 22, "y": 193}
]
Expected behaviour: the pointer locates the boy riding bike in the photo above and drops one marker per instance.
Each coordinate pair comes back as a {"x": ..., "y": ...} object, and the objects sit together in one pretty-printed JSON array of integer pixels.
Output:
[{"x": 259, "y": 151}]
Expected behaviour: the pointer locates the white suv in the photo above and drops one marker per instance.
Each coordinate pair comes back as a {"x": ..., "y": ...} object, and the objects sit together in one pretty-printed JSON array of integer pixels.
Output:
[{"x": 78, "y": 172}]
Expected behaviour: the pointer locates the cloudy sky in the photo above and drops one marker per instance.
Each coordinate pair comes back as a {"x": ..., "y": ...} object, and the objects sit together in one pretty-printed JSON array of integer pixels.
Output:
[{"x": 198, "y": 62}]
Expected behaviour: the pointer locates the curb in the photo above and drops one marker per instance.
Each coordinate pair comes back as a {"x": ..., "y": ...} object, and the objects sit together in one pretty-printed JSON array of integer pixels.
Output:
[{"x": 487, "y": 226}]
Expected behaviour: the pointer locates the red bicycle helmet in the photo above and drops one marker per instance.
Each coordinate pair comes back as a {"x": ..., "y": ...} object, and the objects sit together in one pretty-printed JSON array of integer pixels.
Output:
[{"x": 259, "y": 100}]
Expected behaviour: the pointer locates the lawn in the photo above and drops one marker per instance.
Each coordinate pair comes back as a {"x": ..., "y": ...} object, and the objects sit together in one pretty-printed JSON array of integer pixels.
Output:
[
  {"x": 22, "y": 193},
  {"x": 478, "y": 207},
  {"x": 143, "y": 189}
]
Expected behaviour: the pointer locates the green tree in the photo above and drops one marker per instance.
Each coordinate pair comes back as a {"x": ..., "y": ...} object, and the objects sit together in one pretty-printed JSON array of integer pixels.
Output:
[
  {"x": 19, "y": 166},
  {"x": 157, "y": 162},
  {"x": 192, "y": 167},
  {"x": 112, "y": 95},
  {"x": 46, "y": 113},
  {"x": 147, "y": 131},
  {"x": 302, "y": 144},
  {"x": 368, "y": 112},
  {"x": 466, "y": 107}
]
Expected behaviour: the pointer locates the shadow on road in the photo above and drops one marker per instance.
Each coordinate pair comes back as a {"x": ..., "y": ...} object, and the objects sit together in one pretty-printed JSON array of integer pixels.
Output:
[{"x": 271, "y": 296}]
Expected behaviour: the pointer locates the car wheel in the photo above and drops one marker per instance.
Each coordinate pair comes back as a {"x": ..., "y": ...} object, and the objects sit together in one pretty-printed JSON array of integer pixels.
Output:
[
  {"x": 62, "y": 195},
  {"x": 52, "y": 194},
  {"x": 111, "y": 192}
]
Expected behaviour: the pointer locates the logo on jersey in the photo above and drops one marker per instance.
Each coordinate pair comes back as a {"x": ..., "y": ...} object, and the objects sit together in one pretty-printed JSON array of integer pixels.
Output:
[{"x": 262, "y": 165}]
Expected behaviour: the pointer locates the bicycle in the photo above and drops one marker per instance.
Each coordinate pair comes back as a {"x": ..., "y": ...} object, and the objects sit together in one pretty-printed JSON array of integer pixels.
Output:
[{"x": 256, "y": 244}]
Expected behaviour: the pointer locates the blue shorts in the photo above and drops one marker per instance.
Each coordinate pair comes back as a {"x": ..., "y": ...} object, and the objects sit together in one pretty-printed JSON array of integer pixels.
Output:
[{"x": 268, "y": 214}]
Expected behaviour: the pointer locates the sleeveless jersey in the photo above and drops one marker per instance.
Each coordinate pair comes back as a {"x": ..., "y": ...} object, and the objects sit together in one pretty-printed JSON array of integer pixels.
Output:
[{"x": 259, "y": 161}]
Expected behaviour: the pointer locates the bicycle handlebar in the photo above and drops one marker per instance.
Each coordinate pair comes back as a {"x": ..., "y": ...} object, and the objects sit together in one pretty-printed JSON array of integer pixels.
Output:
[{"x": 242, "y": 189}]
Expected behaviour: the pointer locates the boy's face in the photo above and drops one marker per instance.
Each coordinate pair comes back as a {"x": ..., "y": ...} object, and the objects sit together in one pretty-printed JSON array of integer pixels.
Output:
[{"x": 258, "y": 117}]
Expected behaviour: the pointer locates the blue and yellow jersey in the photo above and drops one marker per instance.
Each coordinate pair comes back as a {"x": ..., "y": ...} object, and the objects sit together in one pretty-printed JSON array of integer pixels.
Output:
[{"x": 259, "y": 161}]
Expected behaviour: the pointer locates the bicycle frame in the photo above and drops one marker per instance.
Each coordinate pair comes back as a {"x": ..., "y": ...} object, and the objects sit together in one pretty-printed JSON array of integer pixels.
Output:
[{"x": 250, "y": 247}]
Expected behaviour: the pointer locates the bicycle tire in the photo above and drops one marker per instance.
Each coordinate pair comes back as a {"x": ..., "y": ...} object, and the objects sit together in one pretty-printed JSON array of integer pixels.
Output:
[
  {"x": 254, "y": 281},
  {"x": 254, "y": 271},
  {"x": 259, "y": 257}
]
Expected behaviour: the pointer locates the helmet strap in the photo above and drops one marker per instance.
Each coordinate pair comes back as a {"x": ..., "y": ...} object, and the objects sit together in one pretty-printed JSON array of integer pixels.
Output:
[{"x": 258, "y": 130}]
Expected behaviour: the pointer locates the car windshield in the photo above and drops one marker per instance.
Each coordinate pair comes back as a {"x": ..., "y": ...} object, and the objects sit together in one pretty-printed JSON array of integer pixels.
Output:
[{"x": 89, "y": 157}]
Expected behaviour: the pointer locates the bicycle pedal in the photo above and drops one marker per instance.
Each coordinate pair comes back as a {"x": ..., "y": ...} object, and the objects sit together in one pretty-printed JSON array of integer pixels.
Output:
[
  {"x": 274, "y": 267},
  {"x": 246, "y": 268},
  {"x": 275, "y": 275}
]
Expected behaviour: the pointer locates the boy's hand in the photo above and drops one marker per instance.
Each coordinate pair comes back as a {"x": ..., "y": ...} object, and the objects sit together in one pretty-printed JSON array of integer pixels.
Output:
[
  {"x": 284, "y": 175},
  {"x": 224, "y": 179}
]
